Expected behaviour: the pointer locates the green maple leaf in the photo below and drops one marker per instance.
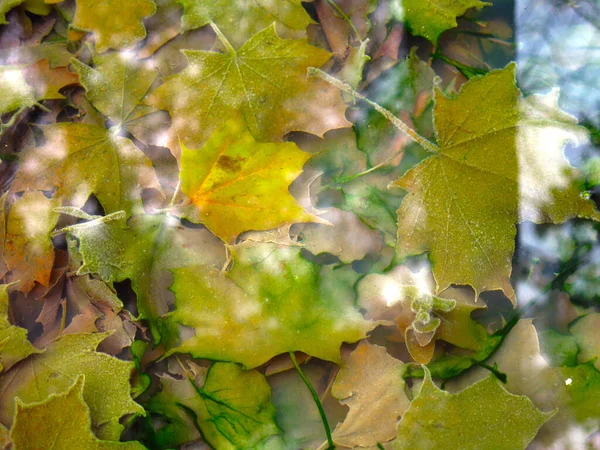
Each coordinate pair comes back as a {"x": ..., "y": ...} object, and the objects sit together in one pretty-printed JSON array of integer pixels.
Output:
[
  {"x": 227, "y": 406},
  {"x": 28, "y": 248},
  {"x": 116, "y": 25},
  {"x": 265, "y": 79},
  {"x": 6, "y": 6},
  {"x": 106, "y": 390},
  {"x": 241, "y": 19},
  {"x": 483, "y": 415},
  {"x": 272, "y": 301},
  {"x": 238, "y": 184},
  {"x": 116, "y": 85},
  {"x": 143, "y": 250},
  {"x": 60, "y": 422},
  {"x": 15, "y": 92},
  {"x": 14, "y": 345},
  {"x": 500, "y": 161},
  {"x": 79, "y": 160},
  {"x": 430, "y": 18}
]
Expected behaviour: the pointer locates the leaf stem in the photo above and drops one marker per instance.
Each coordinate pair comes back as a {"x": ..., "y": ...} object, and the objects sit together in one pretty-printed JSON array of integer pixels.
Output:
[
  {"x": 344, "y": 16},
  {"x": 344, "y": 87},
  {"x": 222, "y": 38},
  {"x": 317, "y": 401},
  {"x": 372, "y": 169}
]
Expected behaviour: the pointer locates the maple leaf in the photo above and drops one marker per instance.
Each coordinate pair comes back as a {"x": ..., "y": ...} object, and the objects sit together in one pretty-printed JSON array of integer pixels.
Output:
[
  {"x": 485, "y": 413},
  {"x": 496, "y": 165},
  {"x": 276, "y": 303},
  {"x": 79, "y": 160},
  {"x": 231, "y": 408},
  {"x": 28, "y": 248},
  {"x": 115, "y": 25},
  {"x": 430, "y": 18},
  {"x": 47, "y": 81},
  {"x": 238, "y": 184},
  {"x": 370, "y": 383},
  {"x": 15, "y": 92},
  {"x": 241, "y": 19},
  {"x": 116, "y": 85},
  {"x": 14, "y": 345},
  {"x": 143, "y": 251},
  {"x": 106, "y": 389},
  {"x": 61, "y": 421},
  {"x": 528, "y": 373},
  {"x": 265, "y": 79}
]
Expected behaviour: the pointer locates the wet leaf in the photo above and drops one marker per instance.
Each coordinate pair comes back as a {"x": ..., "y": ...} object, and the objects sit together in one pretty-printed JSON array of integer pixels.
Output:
[
  {"x": 265, "y": 79},
  {"x": 370, "y": 383},
  {"x": 226, "y": 406},
  {"x": 483, "y": 412},
  {"x": 79, "y": 160},
  {"x": 275, "y": 304},
  {"x": 238, "y": 184},
  {"x": 495, "y": 167},
  {"x": 61, "y": 421},
  {"x": 106, "y": 389}
]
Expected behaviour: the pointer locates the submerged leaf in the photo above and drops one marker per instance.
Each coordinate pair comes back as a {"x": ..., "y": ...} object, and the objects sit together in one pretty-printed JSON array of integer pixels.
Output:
[
  {"x": 430, "y": 18},
  {"x": 227, "y": 406},
  {"x": 61, "y": 421},
  {"x": 272, "y": 301},
  {"x": 484, "y": 415},
  {"x": 143, "y": 251},
  {"x": 14, "y": 345},
  {"x": 79, "y": 160},
  {"x": 239, "y": 184},
  {"x": 115, "y": 25},
  {"x": 28, "y": 248},
  {"x": 370, "y": 383},
  {"x": 265, "y": 79},
  {"x": 240, "y": 19},
  {"x": 499, "y": 163},
  {"x": 106, "y": 389}
]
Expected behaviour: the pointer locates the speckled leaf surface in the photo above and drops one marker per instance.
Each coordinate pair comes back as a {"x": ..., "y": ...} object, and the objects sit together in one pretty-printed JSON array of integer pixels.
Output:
[
  {"x": 60, "y": 422},
  {"x": 495, "y": 166},
  {"x": 106, "y": 389},
  {"x": 275, "y": 304},
  {"x": 115, "y": 25},
  {"x": 265, "y": 79},
  {"x": 79, "y": 159},
  {"x": 231, "y": 408},
  {"x": 484, "y": 414},
  {"x": 241, "y": 19}
]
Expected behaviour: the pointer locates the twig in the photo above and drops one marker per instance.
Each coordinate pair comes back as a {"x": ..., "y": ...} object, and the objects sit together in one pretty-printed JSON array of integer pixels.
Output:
[{"x": 344, "y": 87}]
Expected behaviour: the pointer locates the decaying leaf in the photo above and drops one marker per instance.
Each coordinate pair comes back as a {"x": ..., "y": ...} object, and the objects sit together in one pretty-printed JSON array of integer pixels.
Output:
[
  {"x": 370, "y": 383},
  {"x": 28, "y": 248}
]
